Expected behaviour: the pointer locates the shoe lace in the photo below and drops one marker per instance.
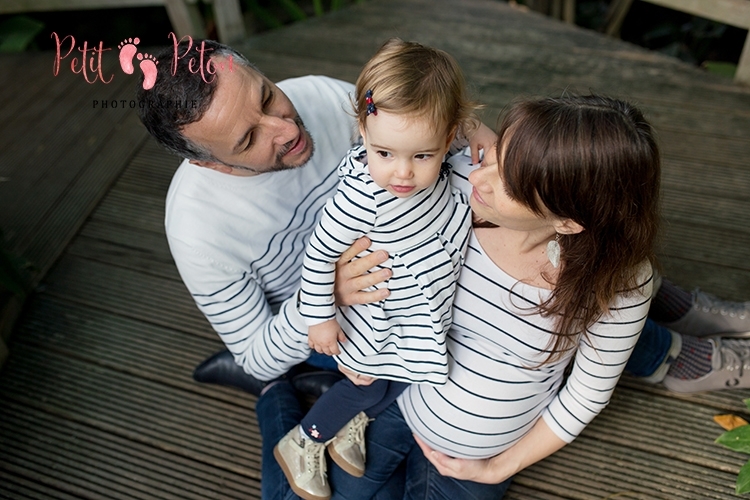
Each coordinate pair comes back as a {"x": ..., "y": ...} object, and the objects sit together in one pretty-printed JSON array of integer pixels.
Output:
[
  {"x": 356, "y": 432},
  {"x": 713, "y": 304},
  {"x": 315, "y": 460},
  {"x": 734, "y": 355}
]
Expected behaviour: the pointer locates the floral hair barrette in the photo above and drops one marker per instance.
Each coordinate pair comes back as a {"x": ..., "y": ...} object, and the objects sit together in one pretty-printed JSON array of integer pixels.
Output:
[{"x": 371, "y": 109}]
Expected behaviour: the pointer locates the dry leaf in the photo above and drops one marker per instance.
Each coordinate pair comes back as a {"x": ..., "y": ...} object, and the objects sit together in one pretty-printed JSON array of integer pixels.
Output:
[{"x": 729, "y": 422}]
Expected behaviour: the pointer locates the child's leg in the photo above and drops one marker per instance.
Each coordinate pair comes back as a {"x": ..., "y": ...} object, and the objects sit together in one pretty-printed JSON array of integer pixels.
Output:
[{"x": 341, "y": 403}]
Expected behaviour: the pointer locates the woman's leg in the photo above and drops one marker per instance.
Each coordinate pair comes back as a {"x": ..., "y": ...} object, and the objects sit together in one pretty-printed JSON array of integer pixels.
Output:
[{"x": 424, "y": 482}]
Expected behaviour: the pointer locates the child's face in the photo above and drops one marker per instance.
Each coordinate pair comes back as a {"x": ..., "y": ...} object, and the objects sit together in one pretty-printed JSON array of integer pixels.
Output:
[{"x": 404, "y": 154}]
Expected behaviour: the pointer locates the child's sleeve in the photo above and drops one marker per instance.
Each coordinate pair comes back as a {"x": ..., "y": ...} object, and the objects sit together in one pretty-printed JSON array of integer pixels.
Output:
[{"x": 349, "y": 215}]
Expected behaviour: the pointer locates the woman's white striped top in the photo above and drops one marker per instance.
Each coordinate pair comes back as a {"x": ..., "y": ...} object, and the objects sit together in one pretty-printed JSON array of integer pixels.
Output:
[
  {"x": 403, "y": 337},
  {"x": 494, "y": 393}
]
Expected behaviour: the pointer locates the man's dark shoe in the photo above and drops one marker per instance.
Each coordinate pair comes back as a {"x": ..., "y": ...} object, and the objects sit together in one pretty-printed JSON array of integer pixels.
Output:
[
  {"x": 221, "y": 369},
  {"x": 313, "y": 381}
]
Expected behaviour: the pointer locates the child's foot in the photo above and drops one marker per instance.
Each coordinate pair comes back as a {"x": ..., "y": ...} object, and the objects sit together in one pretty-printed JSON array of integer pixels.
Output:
[
  {"x": 347, "y": 449},
  {"x": 127, "y": 50},
  {"x": 304, "y": 465},
  {"x": 148, "y": 66}
]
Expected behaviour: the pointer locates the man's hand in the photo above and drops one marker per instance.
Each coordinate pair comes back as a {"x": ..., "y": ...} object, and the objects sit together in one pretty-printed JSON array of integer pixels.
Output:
[
  {"x": 355, "y": 377},
  {"x": 352, "y": 276},
  {"x": 482, "y": 138},
  {"x": 324, "y": 337}
]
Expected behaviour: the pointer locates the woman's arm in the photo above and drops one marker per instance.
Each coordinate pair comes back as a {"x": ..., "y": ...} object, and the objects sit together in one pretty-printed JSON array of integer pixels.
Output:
[{"x": 540, "y": 442}]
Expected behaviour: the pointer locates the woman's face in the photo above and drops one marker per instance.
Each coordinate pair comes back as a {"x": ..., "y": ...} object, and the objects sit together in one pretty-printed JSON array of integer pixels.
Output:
[{"x": 490, "y": 201}]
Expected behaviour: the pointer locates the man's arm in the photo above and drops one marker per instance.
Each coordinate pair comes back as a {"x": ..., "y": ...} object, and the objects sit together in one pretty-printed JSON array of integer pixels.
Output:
[{"x": 264, "y": 344}]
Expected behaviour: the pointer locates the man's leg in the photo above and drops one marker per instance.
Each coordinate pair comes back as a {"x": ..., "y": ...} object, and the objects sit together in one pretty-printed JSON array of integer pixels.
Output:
[
  {"x": 424, "y": 482},
  {"x": 389, "y": 441},
  {"x": 278, "y": 410}
]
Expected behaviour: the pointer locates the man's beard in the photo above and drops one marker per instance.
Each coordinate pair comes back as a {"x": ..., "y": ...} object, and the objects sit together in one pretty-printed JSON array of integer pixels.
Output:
[{"x": 280, "y": 165}]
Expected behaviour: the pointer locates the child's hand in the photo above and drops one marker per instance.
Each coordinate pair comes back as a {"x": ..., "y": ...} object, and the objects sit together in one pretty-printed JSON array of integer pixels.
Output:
[
  {"x": 324, "y": 337},
  {"x": 483, "y": 138}
]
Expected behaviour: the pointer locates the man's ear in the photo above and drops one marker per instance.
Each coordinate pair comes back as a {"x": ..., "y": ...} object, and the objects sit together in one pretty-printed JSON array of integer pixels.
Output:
[
  {"x": 219, "y": 167},
  {"x": 568, "y": 226}
]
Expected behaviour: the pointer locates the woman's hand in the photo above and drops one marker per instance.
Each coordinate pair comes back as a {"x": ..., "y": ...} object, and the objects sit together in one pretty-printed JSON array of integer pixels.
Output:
[
  {"x": 355, "y": 377},
  {"x": 352, "y": 276},
  {"x": 478, "y": 470},
  {"x": 324, "y": 337},
  {"x": 482, "y": 138}
]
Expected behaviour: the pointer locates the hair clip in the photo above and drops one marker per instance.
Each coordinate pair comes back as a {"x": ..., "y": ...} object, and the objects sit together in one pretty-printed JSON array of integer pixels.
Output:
[{"x": 371, "y": 110}]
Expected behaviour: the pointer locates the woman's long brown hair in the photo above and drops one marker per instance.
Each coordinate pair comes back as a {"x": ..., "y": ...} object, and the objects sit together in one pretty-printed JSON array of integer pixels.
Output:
[{"x": 593, "y": 160}]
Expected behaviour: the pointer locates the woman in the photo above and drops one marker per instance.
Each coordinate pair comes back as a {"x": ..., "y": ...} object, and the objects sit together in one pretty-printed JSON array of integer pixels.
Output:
[{"x": 569, "y": 207}]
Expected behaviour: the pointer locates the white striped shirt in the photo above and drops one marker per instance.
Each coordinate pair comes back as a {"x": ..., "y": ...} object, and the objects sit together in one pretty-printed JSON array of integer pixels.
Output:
[
  {"x": 494, "y": 393},
  {"x": 402, "y": 337},
  {"x": 238, "y": 242}
]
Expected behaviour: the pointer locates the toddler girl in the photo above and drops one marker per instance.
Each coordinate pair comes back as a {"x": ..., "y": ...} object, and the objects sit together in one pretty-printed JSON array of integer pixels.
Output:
[{"x": 411, "y": 103}]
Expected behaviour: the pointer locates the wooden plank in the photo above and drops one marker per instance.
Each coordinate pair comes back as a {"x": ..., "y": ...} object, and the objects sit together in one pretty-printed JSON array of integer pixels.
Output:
[
  {"x": 144, "y": 350},
  {"x": 127, "y": 293},
  {"x": 128, "y": 465},
  {"x": 180, "y": 422}
]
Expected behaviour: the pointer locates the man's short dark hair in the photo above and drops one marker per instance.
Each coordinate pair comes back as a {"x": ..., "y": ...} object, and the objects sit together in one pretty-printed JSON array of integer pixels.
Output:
[{"x": 181, "y": 98}]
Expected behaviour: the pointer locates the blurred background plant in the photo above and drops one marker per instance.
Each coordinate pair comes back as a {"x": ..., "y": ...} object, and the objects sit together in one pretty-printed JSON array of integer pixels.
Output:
[{"x": 714, "y": 46}]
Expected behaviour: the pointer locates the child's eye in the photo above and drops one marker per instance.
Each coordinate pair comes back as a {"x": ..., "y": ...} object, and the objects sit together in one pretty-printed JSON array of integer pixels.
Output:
[
  {"x": 384, "y": 154},
  {"x": 423, "y": 156}
]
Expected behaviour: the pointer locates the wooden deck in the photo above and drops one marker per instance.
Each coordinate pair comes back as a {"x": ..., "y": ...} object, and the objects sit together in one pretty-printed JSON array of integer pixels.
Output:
[{"x": 96, "y": 399}]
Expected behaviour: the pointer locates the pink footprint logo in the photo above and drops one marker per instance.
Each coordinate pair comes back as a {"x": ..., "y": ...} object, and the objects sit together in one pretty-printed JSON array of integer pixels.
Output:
[
  {"x": 148, "y": 66},
  {"x": 127, "y": 51}
]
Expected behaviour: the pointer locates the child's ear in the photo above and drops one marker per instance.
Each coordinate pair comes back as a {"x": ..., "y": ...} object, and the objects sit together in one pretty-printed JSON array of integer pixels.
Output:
[
  {"x": 451, "y": 137},
  {"x": 362, "y": 133}
]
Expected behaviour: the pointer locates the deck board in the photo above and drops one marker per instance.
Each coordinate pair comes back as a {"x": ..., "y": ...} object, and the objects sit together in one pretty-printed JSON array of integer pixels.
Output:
[{"x": 97, "y": 401}]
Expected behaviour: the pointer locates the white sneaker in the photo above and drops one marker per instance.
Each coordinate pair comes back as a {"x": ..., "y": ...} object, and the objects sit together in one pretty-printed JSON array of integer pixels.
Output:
[
  {"x": 304, "y": 465},
  {"x": 713, "y": 316},
  {"x": 730, "y": 368},
  {"x": 347, "y": 449}
]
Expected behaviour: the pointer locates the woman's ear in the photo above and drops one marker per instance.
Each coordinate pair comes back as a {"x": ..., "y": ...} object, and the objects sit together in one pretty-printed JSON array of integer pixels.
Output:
[{"x": 568, "y": 226}]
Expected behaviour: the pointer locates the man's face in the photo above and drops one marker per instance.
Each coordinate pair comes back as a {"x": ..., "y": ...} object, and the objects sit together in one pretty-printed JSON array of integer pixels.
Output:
[{"x": 250, "y": 127}]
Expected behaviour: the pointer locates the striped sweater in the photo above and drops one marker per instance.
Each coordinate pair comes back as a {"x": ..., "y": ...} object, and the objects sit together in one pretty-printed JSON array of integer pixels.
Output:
[{"x": 402, "y": 337}]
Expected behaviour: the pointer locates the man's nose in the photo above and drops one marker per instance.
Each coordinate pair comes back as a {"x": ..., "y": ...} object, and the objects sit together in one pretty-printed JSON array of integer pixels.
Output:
[{"x": 283, "y": 129}]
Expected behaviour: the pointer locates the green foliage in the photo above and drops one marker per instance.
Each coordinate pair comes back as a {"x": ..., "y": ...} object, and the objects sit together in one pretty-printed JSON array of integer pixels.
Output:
[
  {"x": 720, "y": 68},
  {"x": 17, "y": 32},
  {"x": 738, "y": 439}
]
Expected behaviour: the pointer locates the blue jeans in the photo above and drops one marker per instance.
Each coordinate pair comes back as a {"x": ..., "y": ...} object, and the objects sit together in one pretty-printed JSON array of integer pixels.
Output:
[
  {"x": 396, "y": 467},
  {"x": 650, "y": 350}
]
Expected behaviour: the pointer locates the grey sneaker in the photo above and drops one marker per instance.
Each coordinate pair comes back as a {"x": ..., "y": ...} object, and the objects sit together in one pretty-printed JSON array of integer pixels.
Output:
[
  {"x": 304, "y": 465},
  {"x": 713, "y": 316},
  {"x": 347, "y": 449},
  {"x": 730, "y": 368}
]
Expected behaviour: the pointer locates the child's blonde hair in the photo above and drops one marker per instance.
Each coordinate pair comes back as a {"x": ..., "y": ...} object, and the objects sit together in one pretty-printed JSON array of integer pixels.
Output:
[{"x": 410, "y": 78}]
